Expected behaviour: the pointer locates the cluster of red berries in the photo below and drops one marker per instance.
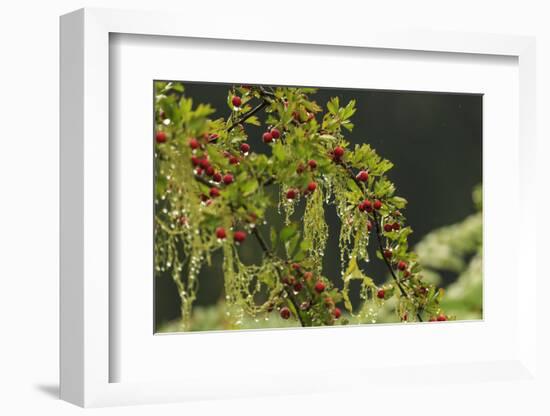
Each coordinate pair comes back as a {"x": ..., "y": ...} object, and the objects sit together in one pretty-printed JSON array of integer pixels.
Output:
[
  {"x": 439, "y": 318},
  {"x": 296, "y": 115},
  {"x": 312, "y": 164},
  {"x": 391, "y": 227},
  {"x": 298, "y": 279},
  {"x": 271, "y": 135},
  {"x": 238, "y": 236},
  {"x": 368, "y": 206},
  {"x": 293, "y": 193}
]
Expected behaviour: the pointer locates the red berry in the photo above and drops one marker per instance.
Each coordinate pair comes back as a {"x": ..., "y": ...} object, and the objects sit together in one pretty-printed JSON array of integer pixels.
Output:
[
  {"x": 406, "y": 273},
  {"x": 381, "y": 294},
  {"x": 297, "y": 287},
  {"x": 239, "y": 236},
  {"x": 300, "y": 168},
  {"x": 199, "y": 171},
  {"x": 204, "y": 163},
  {"x": 267, "y": 137},
  {"x": 220, "y": 233},
  {"x": 236, "y": 101},
  {"x": 366, "y": 205},
  {"x": 377, "y": 204},
  {"x": 337, "y": 313},
  {"x": 210, "y": 170},
  {"x": 319, "y": 287},
  {"x": 245, "y": 147},
  {"x": 401, "y": 265},
  {"x": 228, "y": 178},
  {"x": 194, "y": 143},
  {"x": 388, "y": 227},
  {"x": 363, "y": 176},
  {"x": 396, "y": 226},
  {"x": 195, "y": 160},
  {"x": 308, "y": 276},
  {"x": 234, "y": 160},
  {"x": 388, "y": 253},
  {"x": 217, "y": 177},
  {"x": 285, "y": 313},
  {"x": 291, "y": 194},
  {"x": 287, "y": 280},
  {"x": 275, "y": 133},
  {"x": 312, "y": 164},
  {"x": 213, "y": 137},
  {"x": 312, "y": 186},
  {"x": 441, "y": 317},
  {"x": 296, "y": 266},
  {"x": 160, "y": 137},
  {"x": 338, "y": 152},
  {"x": 214, "y": 192}
]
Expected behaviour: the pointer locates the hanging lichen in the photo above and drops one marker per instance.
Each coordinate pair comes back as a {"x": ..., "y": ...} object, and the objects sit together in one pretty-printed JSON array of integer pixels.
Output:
[{"x": 315, "y": 228}]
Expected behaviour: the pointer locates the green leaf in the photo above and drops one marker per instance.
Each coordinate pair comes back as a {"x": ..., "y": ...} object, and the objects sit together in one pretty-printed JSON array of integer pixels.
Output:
[
  {"x": 333, "y": 105},
  {"x": 253, "y": 120},
  {"x": 292, "y": 244},
  {"x": 249, "y": 186},
  {"x": 279, "y": 151},
  {"x": 287, "y": 232}
]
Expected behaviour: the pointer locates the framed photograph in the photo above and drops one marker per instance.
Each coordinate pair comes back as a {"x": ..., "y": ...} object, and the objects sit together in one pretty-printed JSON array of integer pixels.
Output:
[{"x": 240, "y": 211}]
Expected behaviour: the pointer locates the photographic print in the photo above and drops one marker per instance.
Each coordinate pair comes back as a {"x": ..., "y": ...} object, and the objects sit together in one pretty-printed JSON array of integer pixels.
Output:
[{"x": 288, "y": 206}]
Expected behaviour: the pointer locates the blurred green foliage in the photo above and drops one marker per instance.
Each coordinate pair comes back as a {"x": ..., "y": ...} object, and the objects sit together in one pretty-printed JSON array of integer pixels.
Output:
[{"x": 458, "y": 248}]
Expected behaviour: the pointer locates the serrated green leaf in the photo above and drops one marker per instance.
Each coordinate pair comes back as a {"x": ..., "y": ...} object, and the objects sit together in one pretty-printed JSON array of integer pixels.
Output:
[{"x": 287, "y": 232}]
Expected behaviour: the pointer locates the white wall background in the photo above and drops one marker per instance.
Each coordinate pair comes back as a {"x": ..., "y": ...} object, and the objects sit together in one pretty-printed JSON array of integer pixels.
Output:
[{"x": 29, "y": 209}]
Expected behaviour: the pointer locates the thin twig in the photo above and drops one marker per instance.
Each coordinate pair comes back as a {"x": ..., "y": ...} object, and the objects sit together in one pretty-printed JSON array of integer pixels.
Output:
[
  {"x": 204, "y": 181},
  {"x": 249, "y": 114}
]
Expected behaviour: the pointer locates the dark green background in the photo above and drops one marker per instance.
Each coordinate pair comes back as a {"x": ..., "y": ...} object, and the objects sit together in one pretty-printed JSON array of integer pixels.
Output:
[{"x": 433, "y": 139}]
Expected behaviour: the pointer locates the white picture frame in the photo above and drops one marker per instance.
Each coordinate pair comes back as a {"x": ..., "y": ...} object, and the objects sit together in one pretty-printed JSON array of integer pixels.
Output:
[{"x": 85, "y": 352}]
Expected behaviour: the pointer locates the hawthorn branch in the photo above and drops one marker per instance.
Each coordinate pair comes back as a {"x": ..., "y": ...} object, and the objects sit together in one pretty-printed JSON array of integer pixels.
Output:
[
  {"x": 379, "y": 239},
  {"x": 390, "y": 268},
  {"x": 269, "y": 253}
]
